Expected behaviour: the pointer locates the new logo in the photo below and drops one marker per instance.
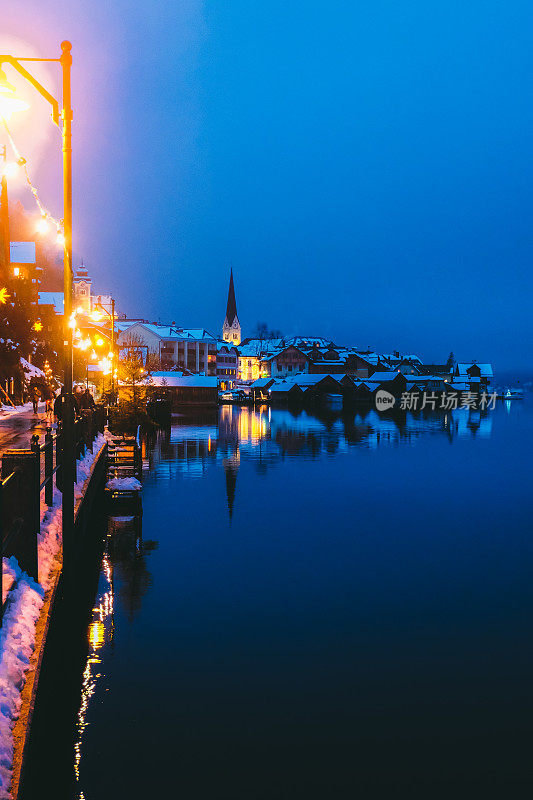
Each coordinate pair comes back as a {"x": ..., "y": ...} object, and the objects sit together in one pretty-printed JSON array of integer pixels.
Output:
[{"x": 384, "y": 400}]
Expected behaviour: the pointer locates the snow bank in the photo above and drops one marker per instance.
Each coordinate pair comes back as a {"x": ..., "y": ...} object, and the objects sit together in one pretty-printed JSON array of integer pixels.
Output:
[
  {"x": 17, "y": 635},
  {"x": 83, "y": 469},
  {"x": 17, "y": 641},
  {"x": 124, "y": 483}
]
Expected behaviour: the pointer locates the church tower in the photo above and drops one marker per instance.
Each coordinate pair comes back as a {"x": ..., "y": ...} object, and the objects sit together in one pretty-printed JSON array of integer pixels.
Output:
[
  {"x": 231, "y": 330},
  {"x": 82, "y": 289}
]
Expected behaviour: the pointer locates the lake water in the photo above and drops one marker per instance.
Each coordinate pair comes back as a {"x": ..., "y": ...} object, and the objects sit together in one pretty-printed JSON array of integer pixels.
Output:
[{"x": 321, "y": 607}]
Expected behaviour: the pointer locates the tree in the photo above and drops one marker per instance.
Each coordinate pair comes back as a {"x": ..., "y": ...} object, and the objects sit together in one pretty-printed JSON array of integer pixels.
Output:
[
  {"x": 17, "y": 338},
  {"x": 131, "y": 370},
  {"x": 451, "y": 360}
]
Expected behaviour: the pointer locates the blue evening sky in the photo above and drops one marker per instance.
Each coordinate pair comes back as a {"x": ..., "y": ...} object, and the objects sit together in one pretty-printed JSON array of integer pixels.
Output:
[{"x": 365, "y": 167}]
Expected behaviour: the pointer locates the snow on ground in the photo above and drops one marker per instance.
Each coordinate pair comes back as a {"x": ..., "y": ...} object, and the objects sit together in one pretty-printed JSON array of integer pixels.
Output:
[
  {"x": 17, "y": 635},
  {"x": 124, "y": 483},
  {"x": 9, "y": 411},
  {"x": 83, "y": 468}
]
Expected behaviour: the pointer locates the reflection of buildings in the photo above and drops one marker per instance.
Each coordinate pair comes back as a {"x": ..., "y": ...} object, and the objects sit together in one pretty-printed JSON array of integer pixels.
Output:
[
  {"x": 231, "y": 468},
  {"x": 264, "y": 437}
]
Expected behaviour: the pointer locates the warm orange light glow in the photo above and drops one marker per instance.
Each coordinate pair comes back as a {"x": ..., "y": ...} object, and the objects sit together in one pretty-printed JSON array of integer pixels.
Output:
[
  {"x": 96, "y": 316},
  {"x": 42, "y": 225},
  {"x": 10, "y": 170},
  {"x": 60, "y": 240},
  {"x": 96, "y": 634},
  {"x": 37, "y": 326},
  {"x": 16, "y": 271},
  {"x": 9, "y": 103},
  {"x": 105, "y": 366},
  {"x": 4, "y": 297},
  {"x": 99, "y": 342}
]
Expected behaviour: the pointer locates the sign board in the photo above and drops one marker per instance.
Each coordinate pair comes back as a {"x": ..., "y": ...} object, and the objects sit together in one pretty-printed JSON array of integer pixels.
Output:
[{"x": 22, "y": 252}]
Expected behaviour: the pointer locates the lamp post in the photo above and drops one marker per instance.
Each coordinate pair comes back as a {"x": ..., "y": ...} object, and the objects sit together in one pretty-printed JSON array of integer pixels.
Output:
[
  {"x": 9, "y": 103},
  {"x": 4, "y": 215}
]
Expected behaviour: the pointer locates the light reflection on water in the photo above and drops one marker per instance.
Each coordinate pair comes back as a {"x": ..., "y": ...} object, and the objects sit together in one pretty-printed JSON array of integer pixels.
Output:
[
  {"x": 267, "y": 436},
  {"x": 371, "y": 591},
  {"x": 100, "y": 632}
]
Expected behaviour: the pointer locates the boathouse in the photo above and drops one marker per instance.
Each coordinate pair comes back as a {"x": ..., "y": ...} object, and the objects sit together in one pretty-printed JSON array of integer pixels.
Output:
[{"x": 183, "y": 390}]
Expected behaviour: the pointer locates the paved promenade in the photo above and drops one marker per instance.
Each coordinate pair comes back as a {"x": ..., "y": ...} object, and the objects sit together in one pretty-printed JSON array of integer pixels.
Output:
[{"x": 16, "y": 430}]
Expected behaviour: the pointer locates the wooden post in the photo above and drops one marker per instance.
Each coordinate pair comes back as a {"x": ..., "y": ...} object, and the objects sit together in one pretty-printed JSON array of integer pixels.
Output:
[
  {"x": 24, "y": 507},
  {"x": 59, "y": 459},
  {"x": 49, "y": 467}
]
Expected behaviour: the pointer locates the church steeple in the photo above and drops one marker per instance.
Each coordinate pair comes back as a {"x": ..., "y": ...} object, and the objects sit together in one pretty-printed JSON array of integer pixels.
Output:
[{"x": 231, "y": 330}]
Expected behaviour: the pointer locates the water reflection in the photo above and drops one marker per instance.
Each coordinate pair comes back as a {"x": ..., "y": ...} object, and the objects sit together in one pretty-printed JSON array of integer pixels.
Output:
[
  {"x": 266, "y": 436},
  {"x": 123, "y": 564},
  {"x": 100, "y": 631}
]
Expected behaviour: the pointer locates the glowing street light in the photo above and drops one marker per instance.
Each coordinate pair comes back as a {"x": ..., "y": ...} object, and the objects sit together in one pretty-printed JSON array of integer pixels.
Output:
[
  {"x": 62, "y": 117},
  {"x": 10, "y": 169},
  {"x": 9, "y": 103},
  {"x": 42, "y": 225}
]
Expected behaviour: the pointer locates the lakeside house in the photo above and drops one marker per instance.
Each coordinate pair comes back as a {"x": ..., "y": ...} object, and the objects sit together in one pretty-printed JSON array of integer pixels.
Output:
[
  {"x": 190, "y": 349},
  {"x": 227, "y": 365},
  {"x": 478, "y": 376}
]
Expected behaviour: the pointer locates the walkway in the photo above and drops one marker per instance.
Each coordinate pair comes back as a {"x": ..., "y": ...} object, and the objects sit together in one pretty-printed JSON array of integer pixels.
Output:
[{"x": 16, "y": 430}]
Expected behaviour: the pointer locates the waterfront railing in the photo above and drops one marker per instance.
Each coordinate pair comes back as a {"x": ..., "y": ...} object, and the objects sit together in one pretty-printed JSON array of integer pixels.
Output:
[{"x": 25, "y": 475}]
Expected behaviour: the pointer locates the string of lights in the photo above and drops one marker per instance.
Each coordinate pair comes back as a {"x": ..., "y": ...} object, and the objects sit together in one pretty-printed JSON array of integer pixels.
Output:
[{"x": 46, "y": 217}]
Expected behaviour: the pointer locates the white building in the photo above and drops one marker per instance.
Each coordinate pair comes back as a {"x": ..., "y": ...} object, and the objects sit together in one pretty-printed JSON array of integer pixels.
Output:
[{"x": 190, "y": 349}]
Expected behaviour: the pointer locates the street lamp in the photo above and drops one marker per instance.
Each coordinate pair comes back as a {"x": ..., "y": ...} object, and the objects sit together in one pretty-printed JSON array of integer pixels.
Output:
[{"x": 10, "y": 103}]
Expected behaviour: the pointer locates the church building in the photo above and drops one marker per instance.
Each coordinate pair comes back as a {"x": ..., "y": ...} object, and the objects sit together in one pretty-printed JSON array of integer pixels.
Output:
[
  {"x": 82, "y": 289},
  {"x": 231, "y": 330}
]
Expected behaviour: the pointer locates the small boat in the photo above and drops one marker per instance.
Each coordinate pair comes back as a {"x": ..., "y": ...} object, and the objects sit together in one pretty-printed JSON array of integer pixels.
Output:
[{"x": 513, "y": 394}]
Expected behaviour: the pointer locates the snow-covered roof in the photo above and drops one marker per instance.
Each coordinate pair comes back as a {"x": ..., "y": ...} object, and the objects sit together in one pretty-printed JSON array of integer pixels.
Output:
[
  {"x": 370, "y": 358},
  {"x": 304, "y": 380},
  {"x": 251, "y": 350},
  {"x": 307, "y": 341},
  {"x": 459, "y": 386},
  {"x": 383, "y": 377},
  {"x": 196, "y": 333},
  {"x": 261, "y": 383},
  {"x": 123, "y": 324},
  {"x": 256, "y": 347},
  {"x": 398, "y": 357},
  {"x": 172, "y": 332},
  {"x": 485, "y": 369},
  {"x": 178, "y": 379},
  {"x": 56, "y": 299}
]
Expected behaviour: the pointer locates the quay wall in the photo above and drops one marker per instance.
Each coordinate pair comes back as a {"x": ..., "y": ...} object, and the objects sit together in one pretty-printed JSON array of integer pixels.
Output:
[{"x": 84, "y": 501}]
